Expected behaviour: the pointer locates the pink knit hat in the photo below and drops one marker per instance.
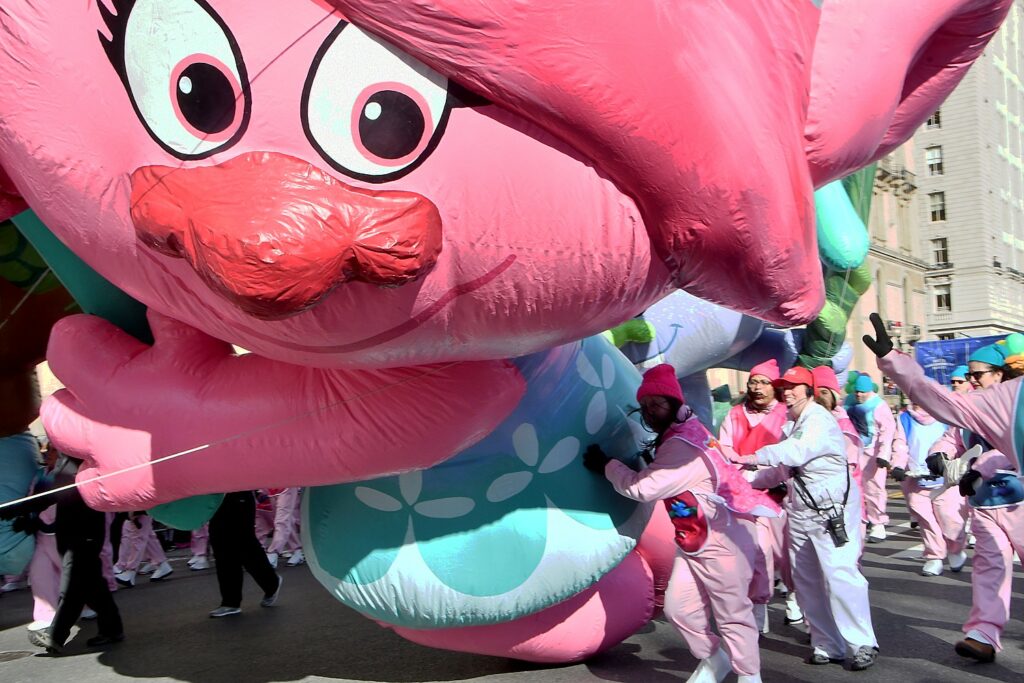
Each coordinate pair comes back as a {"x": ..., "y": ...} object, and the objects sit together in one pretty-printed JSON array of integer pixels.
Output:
[
  {"x": 660, "y": 381},
  {"x": 769, "y": 369},
  {"x": 825, "y": 377}
]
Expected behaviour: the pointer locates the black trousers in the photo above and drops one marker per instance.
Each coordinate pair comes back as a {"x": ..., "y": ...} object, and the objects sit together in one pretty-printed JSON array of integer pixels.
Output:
[
  {"x": 81, "y": 584},
  {"x": 235, "y": 548}
]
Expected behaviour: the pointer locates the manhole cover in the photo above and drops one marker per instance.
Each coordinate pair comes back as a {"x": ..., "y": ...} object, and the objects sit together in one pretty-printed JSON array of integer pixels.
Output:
[{"x": 14, "y": 654}]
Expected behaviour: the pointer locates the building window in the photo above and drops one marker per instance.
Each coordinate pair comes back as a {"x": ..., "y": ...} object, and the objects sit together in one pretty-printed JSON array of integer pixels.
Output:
[
  {"x": 943, "y": 299},
  {"x": 940, "y": 251},
  {"x": 935, "y": 120},
  {"x": 933, "y": 157},
  {"x": 945, "y": 336},
  {"x": 937, "y": 204}
]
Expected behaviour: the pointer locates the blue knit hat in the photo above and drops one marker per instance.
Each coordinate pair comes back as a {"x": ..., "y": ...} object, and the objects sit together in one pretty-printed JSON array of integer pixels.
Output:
[
  {"x": 993, "y": 354},
  {"x": 959, "y": 372},
  {"x": 864, "y": 384}
]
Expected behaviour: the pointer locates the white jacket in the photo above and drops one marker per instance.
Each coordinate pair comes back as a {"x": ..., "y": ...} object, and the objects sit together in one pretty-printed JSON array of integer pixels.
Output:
[{"x": 816, "y": 446}]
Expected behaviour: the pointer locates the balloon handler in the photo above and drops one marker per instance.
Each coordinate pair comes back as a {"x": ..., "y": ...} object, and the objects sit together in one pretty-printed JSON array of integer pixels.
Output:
[
  {"x": 992, "y": 417},
  {"x": 80, "y": 533},
  {"x": 712, "y": 509}
]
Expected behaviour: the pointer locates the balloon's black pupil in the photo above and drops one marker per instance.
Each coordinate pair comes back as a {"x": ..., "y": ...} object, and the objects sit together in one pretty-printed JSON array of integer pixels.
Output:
[
  {"x": 391, "y": 125},
  {"x": 206, "y": 98}
]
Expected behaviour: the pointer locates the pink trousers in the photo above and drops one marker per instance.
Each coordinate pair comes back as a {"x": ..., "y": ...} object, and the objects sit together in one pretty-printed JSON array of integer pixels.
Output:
[
  {"x": 772, "y": 557},
  {"x": 716, "y": 581},
  {"x": 287, "y": 512},
  {"x": 873, "y": 489},
  {"x": 44, "y": 575},
  {"x": 942, "y": 521},
  {"x": 107, "y": 554},
  {"x": 139, "y": 543},
  {"x": 200, "y": 545},
  {"x": 997, "y": 533}
]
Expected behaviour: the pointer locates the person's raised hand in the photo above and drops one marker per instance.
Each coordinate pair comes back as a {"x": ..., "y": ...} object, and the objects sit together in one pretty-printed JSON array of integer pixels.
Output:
[{"x": 881, "y": 343}]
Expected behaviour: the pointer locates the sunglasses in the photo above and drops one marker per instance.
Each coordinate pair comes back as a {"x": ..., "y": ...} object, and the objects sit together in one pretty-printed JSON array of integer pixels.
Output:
[
  {"x": 978, "y": 374},
  {"x": 958, "y": 381}
]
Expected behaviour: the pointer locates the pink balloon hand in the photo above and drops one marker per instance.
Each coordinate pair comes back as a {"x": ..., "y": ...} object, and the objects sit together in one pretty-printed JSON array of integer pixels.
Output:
[{"x": 246, "y": 422}]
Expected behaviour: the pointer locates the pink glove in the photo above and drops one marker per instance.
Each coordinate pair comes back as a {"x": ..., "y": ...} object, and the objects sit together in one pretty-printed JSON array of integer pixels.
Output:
[{"x": 267, "y": 423}]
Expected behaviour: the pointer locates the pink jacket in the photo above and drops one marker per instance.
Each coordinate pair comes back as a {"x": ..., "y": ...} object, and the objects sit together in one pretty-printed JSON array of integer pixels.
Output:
[
  {"x": 993, "y": 414},
  {"x": 885, "y": 432}
]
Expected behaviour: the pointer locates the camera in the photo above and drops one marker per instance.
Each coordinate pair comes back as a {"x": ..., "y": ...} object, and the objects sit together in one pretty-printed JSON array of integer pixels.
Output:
[{"x": 835, "y": 525}]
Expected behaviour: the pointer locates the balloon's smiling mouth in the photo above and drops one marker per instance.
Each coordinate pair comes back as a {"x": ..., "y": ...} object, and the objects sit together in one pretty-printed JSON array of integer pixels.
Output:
[{"x": 382, "y": 337}]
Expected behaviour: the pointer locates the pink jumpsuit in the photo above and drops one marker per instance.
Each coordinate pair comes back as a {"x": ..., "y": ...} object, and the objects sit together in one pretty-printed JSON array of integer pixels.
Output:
[
  {"x": 714, "y": 578},
  {"x": 872, "y": 476},
  {"x": 739, "y": 435},
  {"x": 44, "y": 573},
  {"x": 993, "y": 414},
  {"x": 287, "y": 513},
  {"x": 139, "y": 543},
  {"x": 942, "y": 520}
]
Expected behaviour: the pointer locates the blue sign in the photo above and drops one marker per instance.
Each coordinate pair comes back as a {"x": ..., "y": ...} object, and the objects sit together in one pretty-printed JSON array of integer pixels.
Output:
[{"x": 939, "y": 358}]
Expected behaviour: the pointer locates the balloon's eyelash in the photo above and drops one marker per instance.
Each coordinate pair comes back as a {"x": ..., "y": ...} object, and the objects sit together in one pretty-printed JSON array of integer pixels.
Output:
[{"x": 116, "y": 22}]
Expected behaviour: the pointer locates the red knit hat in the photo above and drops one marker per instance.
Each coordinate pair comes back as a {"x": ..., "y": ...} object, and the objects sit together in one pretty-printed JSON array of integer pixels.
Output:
[
  {"x": 660, "y": 381},
  {"x": 769, "y": 369},
  {"x": 795, "y": 375},
  {"x": 825, "y": 377}
]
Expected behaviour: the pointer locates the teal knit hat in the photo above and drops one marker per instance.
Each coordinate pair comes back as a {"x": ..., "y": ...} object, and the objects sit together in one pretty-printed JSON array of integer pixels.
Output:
[
  {"x": 864, "y": 384},
  {"x": 959, "y": 372},
  {"x": 993, "y": 354}
]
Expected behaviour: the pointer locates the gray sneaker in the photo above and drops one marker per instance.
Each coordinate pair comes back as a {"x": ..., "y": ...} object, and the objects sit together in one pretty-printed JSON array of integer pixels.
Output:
[
  {"x": 225, "y": 611},
  {"x": 269, "y": 600},
  {"x": 864, "y": 658}
]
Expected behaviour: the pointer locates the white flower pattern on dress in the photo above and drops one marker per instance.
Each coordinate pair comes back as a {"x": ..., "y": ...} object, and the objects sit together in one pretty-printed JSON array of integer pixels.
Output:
[
  {"x": 527, "y": 449},
  {"x": 411, "y": 485},
  {"x": 597, "y": 409}
]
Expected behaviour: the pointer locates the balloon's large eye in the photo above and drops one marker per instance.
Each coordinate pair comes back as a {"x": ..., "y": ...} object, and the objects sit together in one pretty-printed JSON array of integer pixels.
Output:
[
  {"x": 184, "y": 74},
  {"x": 371, "y": 111}
]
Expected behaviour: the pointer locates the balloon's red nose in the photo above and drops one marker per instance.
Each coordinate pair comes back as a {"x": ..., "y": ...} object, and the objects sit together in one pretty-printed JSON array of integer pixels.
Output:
[{"x": 275, "y": 235}]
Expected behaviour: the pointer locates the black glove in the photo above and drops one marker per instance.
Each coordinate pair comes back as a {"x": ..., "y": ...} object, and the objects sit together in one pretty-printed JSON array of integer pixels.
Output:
[
  {"x": 26, "y": 524},
  {"x": 594, "y": 459},
  {"x": 882, "y": 343},
  {"x": 882, "y": 463},
  {"x": 967, "y": 482},
  {"x": 935, "y": 464},
  {"x": 11, "y": 512},
  {"x": 898, "y": 474}
]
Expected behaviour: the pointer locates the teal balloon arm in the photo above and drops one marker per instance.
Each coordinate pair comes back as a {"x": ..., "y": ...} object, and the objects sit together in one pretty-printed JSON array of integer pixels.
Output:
[
  {"x": 95, "y": 294},
  {"x": 842, "y": 238}
]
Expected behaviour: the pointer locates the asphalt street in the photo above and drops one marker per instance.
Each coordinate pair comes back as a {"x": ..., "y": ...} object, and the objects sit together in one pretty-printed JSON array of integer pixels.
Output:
[{"x": 309, "y": 636}]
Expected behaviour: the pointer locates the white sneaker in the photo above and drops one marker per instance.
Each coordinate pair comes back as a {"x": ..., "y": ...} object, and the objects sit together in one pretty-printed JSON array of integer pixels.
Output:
[
  {"x": 761, "y": 617},
  {"x": 296, "y": 559},
  {"x": 12, "y": 586},
  {"x": 970, "y": 540},
  {"x": 88, "y": 613},
  {"x": 162, "y": 572},
  {"x": 272, "y": 558},
  {"x": 714, "y": 669},
  {"x": 200, "y": 564},
  {"x": 147, "y": 568},
  {"x": 225, "y": 612},
  {"x": 932, "y": 568},
  {"x": 126, "y": 579},
  {"x": 957, "y": 561},
  {"x": 877, "y": 533},
  {"x": 793, "y": 613},
  {"x": 753, "y": 678}
]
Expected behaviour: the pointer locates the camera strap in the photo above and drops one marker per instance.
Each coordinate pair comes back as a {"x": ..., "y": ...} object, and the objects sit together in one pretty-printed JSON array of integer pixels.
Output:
[{"x": 808, "y": 499}]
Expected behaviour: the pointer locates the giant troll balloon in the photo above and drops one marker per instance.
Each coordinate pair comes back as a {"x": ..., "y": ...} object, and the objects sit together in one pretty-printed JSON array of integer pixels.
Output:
[{"x": 386, "y": 202}]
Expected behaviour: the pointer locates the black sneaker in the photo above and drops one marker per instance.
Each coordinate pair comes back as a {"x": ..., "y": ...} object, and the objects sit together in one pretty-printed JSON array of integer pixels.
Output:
[
  {"x": 270, "y": 598},
  {"x": 102, "y": 640},
  {"x": 864, "y": 658}
]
